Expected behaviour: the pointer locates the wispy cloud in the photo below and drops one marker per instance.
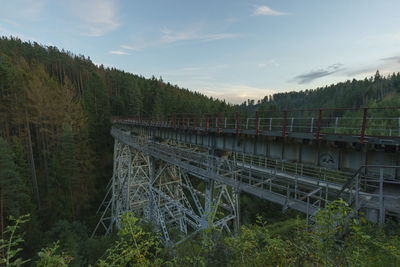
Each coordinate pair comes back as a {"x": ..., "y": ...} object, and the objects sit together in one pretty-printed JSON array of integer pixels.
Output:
[
  {"x": 168, "y": 36},
  {"x": 130, "y": 47},
  {"x": 385, "y": 65},
  {"x": 118, "y": 52},
  {"x": 316, "y": 74},
  {"x": 97, "y": 17},
  {"x": 10, "y": 22},
  {"x": 267, "y": 11},
  {"x": 395, "y": 59},
  {"x": 270, "y": 62},
  {"x": 21, "y": 10}
]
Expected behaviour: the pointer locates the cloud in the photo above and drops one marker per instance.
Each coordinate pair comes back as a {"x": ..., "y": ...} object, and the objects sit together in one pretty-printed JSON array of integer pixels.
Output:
[
  {"x": 316, "y": 74},
  {"x": 169, "y": 36},
  {"x": 119, "y": 52},
  {"x": 21, "y": 10},
  {"x": 97, "y": 17},
  {"x": 130, "y": 47},
  {"x": 11, "y": 22},
  {"x": 267, "y": 11},
  {"x": 395, "y": 59},
  {"x": 386, "y": 65},
  {"x": 270, "y": 62}
]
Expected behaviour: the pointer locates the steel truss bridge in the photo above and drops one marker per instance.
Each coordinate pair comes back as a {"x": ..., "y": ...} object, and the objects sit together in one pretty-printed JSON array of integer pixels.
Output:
[{"x": 186, "y": 173}]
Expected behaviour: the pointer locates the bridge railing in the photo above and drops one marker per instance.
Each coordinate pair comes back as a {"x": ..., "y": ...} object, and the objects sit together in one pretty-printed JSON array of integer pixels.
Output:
[
  {"x": 359, "y": 122},
  {"x": 372, "y": 186},
  {"x": 318, "y": 173}
]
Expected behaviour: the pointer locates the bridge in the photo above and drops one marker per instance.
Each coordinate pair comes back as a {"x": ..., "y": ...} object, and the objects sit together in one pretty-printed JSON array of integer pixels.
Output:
[{"x": 185, "y": 172}]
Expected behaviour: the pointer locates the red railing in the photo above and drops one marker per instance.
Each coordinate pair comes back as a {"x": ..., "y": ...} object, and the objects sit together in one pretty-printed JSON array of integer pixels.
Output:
[{"x": 360, "y": 122}]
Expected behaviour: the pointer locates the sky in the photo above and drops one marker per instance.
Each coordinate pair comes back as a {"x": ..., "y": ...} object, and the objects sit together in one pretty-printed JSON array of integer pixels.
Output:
[{"x": 229, "y": 49}]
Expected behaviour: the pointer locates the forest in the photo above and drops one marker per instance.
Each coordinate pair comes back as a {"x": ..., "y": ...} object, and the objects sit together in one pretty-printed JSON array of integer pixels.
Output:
[{"x": 56, "y": 160}]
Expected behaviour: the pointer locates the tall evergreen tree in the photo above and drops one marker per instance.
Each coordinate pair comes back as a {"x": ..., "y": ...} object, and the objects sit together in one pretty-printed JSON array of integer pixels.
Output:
[{"x": 12, "y": 190}]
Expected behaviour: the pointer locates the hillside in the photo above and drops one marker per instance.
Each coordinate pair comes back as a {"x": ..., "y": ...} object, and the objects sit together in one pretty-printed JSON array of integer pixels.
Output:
[
  {"x": 373, "y": 91},
  {"x": 54, "y": 114}
]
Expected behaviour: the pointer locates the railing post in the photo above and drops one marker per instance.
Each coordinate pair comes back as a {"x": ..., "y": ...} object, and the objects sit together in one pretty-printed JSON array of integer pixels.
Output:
[
  {"x": 175, "y": 121},
  {"x": 256, "y": 122},
  {"x": 312, "y": 124},
  {"x": 291, "y": 124},
  {"x": 284, "y": 123},
  {"x": 167, "y": 123},
  {"x": 319, "y": 124},
  {"x": 218, "y": 122},
  {"x": 364, "y": 125},
  {"x": 336, "y": 124},
  {"x": 237, "y": 122},
  {"x": 194, "y": 122},
  {"x": 206, "y": 124},
  {"x": 399, "y": 128}
]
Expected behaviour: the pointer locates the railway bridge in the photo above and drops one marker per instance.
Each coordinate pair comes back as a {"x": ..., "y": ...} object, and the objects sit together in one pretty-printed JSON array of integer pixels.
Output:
[{"x": 185, "y": 172}]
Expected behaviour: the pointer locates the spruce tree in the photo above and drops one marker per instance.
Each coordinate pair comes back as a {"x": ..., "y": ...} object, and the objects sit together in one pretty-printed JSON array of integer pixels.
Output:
[{"x": 12, "y": 191}]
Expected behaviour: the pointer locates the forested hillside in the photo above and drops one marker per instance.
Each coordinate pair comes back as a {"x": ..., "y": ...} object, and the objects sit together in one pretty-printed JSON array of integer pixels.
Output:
[
  {"x": 54, "y": 116},
  {"x": 373, "y": 91}
]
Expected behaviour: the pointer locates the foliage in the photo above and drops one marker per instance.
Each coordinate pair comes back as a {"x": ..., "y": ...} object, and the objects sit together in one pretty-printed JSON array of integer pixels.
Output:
[
  {"x": 11, "y": 242},
  {"x": 49, "y": 257},
  {"x": 338, "y": 239},
  {"x": 256, "y": 247},
  {"x": 135, "y": 247}
]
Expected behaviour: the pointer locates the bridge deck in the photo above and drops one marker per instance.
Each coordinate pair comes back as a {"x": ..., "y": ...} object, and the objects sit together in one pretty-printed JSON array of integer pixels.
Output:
[{"x": 353, "y": 125}]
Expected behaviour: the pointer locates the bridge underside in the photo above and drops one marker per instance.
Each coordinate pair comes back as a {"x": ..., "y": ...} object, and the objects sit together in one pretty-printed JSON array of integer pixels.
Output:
[{"x": 184, "y": 182}]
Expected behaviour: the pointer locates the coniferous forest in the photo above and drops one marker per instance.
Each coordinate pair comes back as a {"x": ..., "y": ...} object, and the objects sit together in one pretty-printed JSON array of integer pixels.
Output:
[{"x": 56, "y": 156}]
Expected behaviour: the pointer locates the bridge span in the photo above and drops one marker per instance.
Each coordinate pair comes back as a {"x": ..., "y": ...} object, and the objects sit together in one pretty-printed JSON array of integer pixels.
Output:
[{"x": 186, "y": 172}]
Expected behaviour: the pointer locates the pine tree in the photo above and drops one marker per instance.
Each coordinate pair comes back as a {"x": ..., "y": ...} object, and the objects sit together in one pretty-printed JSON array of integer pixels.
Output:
[{"x": 12, "y": 189}]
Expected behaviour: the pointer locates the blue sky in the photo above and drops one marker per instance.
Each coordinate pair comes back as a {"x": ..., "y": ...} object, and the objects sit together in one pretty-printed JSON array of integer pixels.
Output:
[{"x": 232, "y": 50}]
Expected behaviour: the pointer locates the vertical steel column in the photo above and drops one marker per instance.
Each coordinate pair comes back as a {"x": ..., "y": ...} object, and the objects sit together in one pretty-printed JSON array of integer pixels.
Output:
[
  {"x": 208, "y": 202},
  {"x": 152, "y": 167},
  {"x": 116, "y": 144},
  {"x": 236, "y": 201}
]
